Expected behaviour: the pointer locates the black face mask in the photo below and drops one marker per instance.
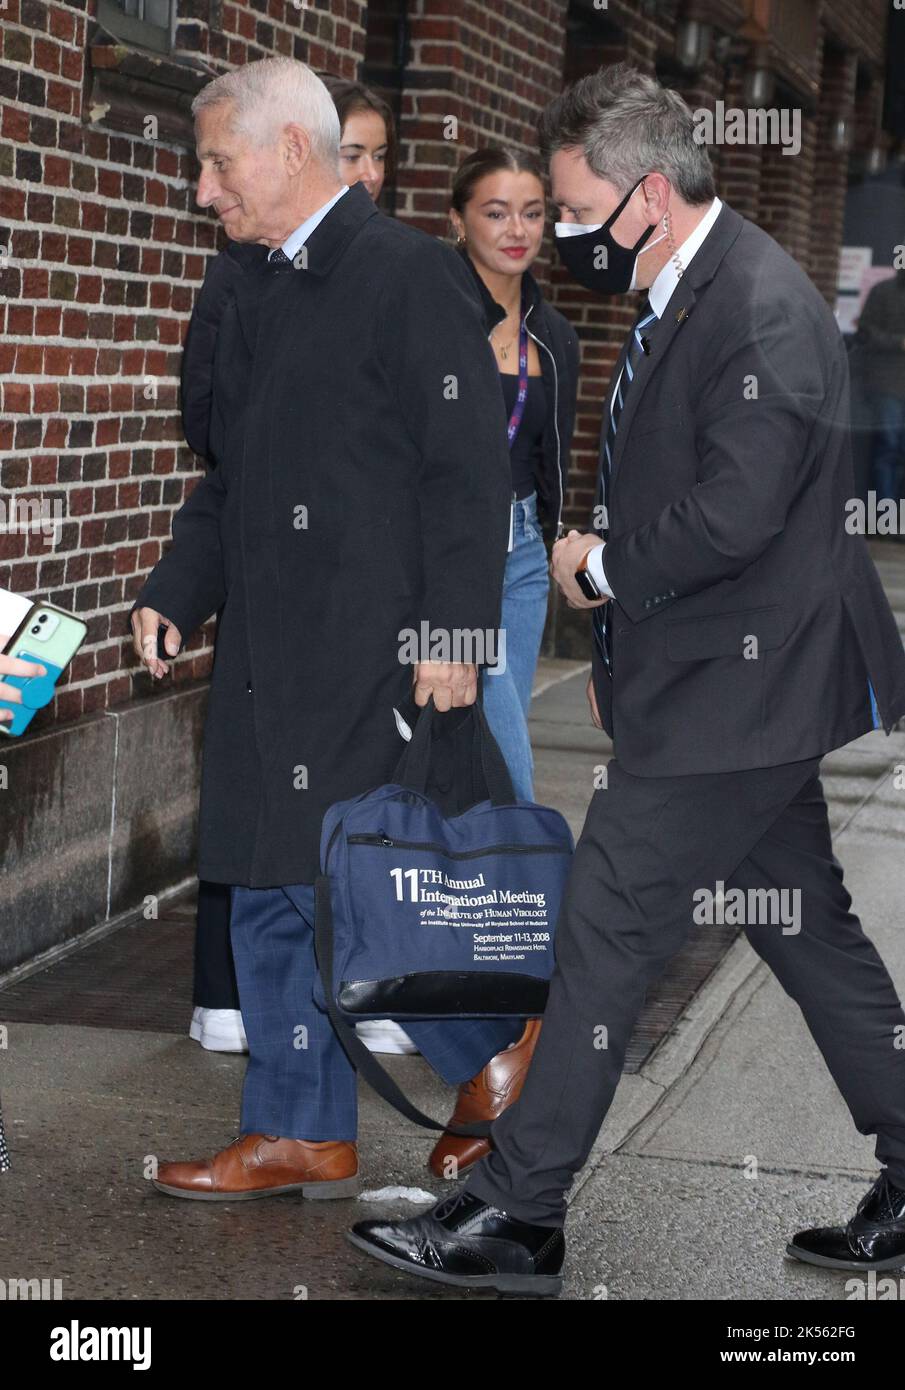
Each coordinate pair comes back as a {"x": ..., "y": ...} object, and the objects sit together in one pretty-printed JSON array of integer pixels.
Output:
[{"x": 596, "y": 260}]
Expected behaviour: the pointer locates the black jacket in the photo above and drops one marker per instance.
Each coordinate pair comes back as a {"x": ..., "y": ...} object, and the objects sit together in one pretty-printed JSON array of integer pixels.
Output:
[
  {"x": 559, "y": 355},
  {"x": 881, "y": 334},
  {"x": 731, "y": 472},
  {"x": 361, "y": 488},
  {"x": 559, "y": 358}
]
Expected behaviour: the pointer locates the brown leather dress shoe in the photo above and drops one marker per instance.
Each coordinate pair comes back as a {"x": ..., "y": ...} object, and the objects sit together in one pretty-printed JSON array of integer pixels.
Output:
[
  {"x": 263, "y": 1165},
  {"x": 485, "y": 1097}
]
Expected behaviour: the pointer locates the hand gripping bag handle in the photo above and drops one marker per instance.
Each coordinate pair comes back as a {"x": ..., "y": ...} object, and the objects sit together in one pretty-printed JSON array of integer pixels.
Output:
[{"x": 413, "y": 768}]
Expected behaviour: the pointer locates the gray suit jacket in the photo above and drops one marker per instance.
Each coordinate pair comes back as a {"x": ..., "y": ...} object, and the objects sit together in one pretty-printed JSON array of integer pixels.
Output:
[{"x": 749, "y": 624}]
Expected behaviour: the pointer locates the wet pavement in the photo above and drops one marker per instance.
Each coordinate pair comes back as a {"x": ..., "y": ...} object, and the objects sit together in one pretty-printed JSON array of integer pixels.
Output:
[{"x": 712, "y": 1154}]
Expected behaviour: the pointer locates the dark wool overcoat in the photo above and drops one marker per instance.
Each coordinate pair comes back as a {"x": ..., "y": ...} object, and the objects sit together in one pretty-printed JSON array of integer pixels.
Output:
[{"x": 360, "y": 489}]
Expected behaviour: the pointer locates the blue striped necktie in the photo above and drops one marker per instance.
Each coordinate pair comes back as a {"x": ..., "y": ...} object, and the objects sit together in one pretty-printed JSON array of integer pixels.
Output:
[{"x": 632, "y": 353}]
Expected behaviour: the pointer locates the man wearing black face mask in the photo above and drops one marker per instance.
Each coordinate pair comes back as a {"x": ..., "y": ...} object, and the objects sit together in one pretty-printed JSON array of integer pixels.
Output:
[
  {"x": 597, "y": 260},
  {"x": 746, "y": 633}
]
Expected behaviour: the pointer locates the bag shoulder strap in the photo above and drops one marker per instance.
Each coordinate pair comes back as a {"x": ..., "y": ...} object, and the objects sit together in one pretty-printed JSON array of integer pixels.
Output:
[{"x": 361, "y": 1058}]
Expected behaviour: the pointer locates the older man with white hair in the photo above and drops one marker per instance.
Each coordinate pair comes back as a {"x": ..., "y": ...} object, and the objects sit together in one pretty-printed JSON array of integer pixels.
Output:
[{"x": 360, "y": 489}]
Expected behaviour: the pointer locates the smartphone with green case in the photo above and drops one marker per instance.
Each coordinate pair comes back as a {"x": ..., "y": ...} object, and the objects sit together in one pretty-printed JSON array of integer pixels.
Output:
[{"x": 50, "y": 637}]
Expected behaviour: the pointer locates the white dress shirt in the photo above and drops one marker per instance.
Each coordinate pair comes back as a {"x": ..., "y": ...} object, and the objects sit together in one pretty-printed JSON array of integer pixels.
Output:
[
  {"x": 659, "y": 294},
  {"x": 301, "y": 234}
]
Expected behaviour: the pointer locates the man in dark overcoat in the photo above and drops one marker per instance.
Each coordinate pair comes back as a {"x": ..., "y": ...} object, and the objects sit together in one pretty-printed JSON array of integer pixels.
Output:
[{"x": 361, "y": 490}]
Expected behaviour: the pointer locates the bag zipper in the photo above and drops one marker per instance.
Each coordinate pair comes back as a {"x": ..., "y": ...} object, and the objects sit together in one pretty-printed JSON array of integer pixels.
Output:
[{"x": 389, "y": 843}]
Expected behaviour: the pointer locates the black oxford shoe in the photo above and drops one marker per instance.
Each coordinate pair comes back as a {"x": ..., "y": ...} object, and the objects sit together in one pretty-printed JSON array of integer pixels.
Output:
[
  {"x": 873, "y": 1239},
  {"x": 464, "y": 1242}
]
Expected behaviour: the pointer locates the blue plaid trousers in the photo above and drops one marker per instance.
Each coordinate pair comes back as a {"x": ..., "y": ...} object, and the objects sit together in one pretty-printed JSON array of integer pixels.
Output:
[{"x": 299, "y": 1083}]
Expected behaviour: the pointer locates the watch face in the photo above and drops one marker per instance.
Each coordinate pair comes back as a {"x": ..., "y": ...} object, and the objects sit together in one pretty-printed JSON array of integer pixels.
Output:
[{"x": 586, "y": 584}]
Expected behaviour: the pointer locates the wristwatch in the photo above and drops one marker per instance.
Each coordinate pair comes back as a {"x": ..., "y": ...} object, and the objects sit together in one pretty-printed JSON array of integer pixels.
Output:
[{"x": 585, "y": 580}]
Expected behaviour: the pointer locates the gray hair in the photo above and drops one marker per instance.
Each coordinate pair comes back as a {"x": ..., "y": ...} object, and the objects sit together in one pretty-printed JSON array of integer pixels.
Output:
[
  {"x": 266, "y": 95},
  {"x": 627, "y": 125}
]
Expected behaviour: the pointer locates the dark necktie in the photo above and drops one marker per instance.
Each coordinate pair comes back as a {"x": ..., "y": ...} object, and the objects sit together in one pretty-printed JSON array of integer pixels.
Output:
[
  {"x": 278, "y": 260},
  {"x": 630, "y": 357}
]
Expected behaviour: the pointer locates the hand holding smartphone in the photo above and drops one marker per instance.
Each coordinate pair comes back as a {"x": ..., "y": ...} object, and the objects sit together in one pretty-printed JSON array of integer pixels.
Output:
[
  {"x": 12, "y": 666},
  {"x": 35, "y": 657}
]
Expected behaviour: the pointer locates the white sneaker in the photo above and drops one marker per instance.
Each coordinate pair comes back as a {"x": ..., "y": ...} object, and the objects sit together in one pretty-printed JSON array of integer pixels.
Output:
[
  {"x": 218, "y": 1030},
  {"x": 383, "y": 1035}
]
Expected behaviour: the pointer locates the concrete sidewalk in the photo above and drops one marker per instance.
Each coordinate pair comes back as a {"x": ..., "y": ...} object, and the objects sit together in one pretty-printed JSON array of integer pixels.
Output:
[
  {"x": 671, "y": 1210},
  {"x": 715, "y": 1102},
  {"x": 664, "y": 1207}
]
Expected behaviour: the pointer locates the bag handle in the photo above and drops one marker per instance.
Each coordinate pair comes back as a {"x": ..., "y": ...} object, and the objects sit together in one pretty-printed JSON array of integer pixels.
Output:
[
  {"x": 414, "y": 765},
  {"x": 361, "y": 1058}
]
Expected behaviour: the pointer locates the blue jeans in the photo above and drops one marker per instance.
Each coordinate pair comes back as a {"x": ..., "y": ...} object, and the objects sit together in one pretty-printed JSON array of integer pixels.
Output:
[
  {"x": 300, "y": 1084},
  {"x": 890, "y": 447},
  {"x": 507, "y": 697}
]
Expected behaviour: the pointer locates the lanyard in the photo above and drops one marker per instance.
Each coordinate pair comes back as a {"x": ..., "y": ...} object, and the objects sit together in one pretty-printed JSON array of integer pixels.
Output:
[{"x": 518, "y": 410}]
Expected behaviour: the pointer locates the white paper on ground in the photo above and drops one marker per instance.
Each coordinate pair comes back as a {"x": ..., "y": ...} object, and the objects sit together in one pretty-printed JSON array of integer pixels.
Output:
[
  {"x": 397, "y": 1194},
  {"x": 13, "y": 608}
]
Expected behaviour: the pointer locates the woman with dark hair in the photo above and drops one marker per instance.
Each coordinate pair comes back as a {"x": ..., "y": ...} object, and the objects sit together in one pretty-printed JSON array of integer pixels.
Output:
[
  {"x": 498, "y": 214},
  {"x": 367, "y": 151}
]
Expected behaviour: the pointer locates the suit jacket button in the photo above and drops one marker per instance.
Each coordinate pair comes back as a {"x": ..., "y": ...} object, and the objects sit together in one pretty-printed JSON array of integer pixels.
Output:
[{"x": 248, "y": 686}]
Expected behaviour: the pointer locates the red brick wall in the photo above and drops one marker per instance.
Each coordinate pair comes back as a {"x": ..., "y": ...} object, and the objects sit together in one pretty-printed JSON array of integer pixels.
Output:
[
  {"x": 104, "y": 252},
  {"x": 830, "y": 169},
  {"x": 489, "y": 67}
]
